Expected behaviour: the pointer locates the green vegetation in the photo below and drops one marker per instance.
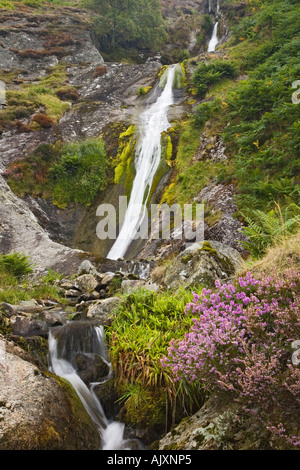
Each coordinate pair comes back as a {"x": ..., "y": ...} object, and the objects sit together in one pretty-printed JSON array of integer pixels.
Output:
[
  {"x": 16, "y": 284},
  {"x": 127, "y": 23},
  {"x": 267, "y": 229},
  {"x": 73, "y": 172},
  {"x": 145, "y": 323},
  {"x": 15, "y": 264},
  {"x": 80, "y": 173},
  {"x": 208, "y": 74}
]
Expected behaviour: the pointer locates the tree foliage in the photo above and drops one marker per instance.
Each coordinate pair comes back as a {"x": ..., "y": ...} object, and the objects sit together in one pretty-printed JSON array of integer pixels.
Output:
[{"x": 126, "y": 23}]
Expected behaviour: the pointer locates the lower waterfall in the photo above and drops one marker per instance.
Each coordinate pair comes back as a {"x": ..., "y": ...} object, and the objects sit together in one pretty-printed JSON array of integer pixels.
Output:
[{"x": 62, "y": 350}]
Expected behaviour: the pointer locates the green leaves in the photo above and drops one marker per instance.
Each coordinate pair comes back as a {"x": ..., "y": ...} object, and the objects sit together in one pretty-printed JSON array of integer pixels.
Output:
[
  {"x": 15, "y": 264},
  {"x": 265, "y": 229},
  {"x": 208, "y": 74},
  {"x": 80, "y": 173},
  {"x": 126, "y": 23}
]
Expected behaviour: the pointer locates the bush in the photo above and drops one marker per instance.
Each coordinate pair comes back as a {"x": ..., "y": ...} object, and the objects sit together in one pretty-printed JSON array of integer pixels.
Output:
[
  {"x": 240, "y": 348},
  {"x": 266, "y": 229},
  {"x": 144, "y": 324},
  {"x": 15, "y": 264},
  {"x": 100, "y": 71},
  {"x": 80, "y": 173},
  {"x": 43, "y": 120},
  {"x": 68, "y": 94},
  {"x": 209, "y": 74},
  {"x": 204, "y": 111}
]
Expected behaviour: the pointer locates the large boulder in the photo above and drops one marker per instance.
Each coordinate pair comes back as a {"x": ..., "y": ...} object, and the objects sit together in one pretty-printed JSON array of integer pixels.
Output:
[
  {"x": 217, "y": 426},
  {"x": 201, "y": 264},
  {"x": 39, "y": 411}
]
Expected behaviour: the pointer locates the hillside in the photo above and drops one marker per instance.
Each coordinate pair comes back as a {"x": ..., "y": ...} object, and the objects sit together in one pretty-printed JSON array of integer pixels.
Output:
[{"x": 191, "y": 344}]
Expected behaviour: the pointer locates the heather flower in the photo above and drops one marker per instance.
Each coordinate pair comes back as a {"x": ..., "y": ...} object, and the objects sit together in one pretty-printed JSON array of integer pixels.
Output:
[{"x": 240, "y": 346}]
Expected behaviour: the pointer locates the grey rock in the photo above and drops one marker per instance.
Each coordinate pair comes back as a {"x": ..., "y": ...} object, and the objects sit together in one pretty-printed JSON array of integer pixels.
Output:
[
  {"x": 217, "y": 426},
  {"x": 26, "y": 327},
  {"x": 202, "y": 264},
  {"x": 36, "y": 411},
  {"x": 107, "y": 278},
  {"x": 87, "y": 267},
  {"x": 101, "y": 310},
  {"x": 86, "y": 283}
]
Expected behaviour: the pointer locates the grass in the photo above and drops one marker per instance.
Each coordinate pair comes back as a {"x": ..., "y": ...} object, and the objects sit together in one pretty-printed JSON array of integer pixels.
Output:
[
  {"x": 17, "y": 285},
  {"x": 284, "y": 253},
  {"x": 144, "y": 325}
]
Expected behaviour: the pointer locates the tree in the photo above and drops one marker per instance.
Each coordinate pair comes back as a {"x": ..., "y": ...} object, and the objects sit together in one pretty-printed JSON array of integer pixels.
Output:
[{"x": 128, "y": 23}]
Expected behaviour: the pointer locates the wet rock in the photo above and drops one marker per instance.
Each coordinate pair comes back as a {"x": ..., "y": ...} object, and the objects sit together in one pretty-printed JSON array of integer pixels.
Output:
[
  {"x": 37, "y": 411},
  {"x": 90, "y": 368},
  {"x": 101, "y": 310},
  {"x": 24, "y": 326},
  {"x": 107, "y": 395}
]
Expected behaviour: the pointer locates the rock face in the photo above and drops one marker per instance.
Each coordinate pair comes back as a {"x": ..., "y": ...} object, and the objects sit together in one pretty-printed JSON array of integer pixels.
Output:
[
  {"x": 202, "y": 264},
  {"x": 217, "y": 427},
  {"x": 37, "y": 410},
  {"x": 21, "y": 232}
]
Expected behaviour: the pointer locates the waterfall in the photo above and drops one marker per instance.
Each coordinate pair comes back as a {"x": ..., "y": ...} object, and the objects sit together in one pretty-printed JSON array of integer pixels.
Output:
[
  {"x": 67, "y": 345},
  {"x": 214, "y": 39},
  {"x": 152, "y": 122}
]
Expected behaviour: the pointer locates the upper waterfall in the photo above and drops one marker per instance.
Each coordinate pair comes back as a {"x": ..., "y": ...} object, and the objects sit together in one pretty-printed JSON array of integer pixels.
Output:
[
  {"x": 152, "y": 122},
  {"x": 214, "y": 39}
]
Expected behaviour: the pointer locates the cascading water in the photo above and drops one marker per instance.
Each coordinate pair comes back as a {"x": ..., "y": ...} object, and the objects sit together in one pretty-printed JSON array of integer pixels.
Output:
[
  {"x": 153, "y": 121},
  {"x": 67, "y": 346},
  {"x": 214, "y": 39}
]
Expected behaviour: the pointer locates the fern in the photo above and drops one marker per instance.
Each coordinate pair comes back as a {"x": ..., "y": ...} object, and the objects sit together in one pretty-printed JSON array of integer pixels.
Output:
[{"x": 266, "y": 228}]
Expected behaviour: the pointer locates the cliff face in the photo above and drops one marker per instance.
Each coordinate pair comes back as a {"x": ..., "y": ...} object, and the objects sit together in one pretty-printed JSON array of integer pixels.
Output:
[{"x": 54, "y": 50}]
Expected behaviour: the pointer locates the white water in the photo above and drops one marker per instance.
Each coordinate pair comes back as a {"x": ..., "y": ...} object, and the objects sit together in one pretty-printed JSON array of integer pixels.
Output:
[
  {"x": 214, "y": 39},
  {"x": 153, "y": 121},
  {"x": 111, "y": 433}
]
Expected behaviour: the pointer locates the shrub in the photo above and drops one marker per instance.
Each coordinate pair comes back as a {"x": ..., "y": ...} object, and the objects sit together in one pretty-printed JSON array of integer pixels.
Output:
[
  {"x": 204, "y": 111},
  {"x": 43, "y": 120},
  {"x": 15, "y": 264},
  {"x": 68, "y": 94},
  {"x": 239, "y": 348},
  {"x": 208, "y": 74},
  {"x": 100, "y": 71},
  {"x": 80, "y": 173},
  {"x": 265, "y": 229},
  {"x": 144, "y": 324}
]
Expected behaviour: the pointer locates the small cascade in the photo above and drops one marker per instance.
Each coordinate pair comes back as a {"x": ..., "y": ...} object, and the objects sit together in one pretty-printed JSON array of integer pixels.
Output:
[{"x": 68, "y": 346}]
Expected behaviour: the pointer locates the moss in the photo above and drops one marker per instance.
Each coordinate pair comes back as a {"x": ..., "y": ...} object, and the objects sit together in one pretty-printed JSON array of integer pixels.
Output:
[
  {"x": 143, "y": 90},
  {"x": 207, "y": 247},
  {"x": 213, "y": 217},
  {"x": 124, "y": 171},
  {"x": 147, "y": 410}
]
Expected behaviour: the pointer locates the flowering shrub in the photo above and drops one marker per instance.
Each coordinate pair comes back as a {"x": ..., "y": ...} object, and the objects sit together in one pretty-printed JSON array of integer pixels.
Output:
[{"x": 240, "y": 346}]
